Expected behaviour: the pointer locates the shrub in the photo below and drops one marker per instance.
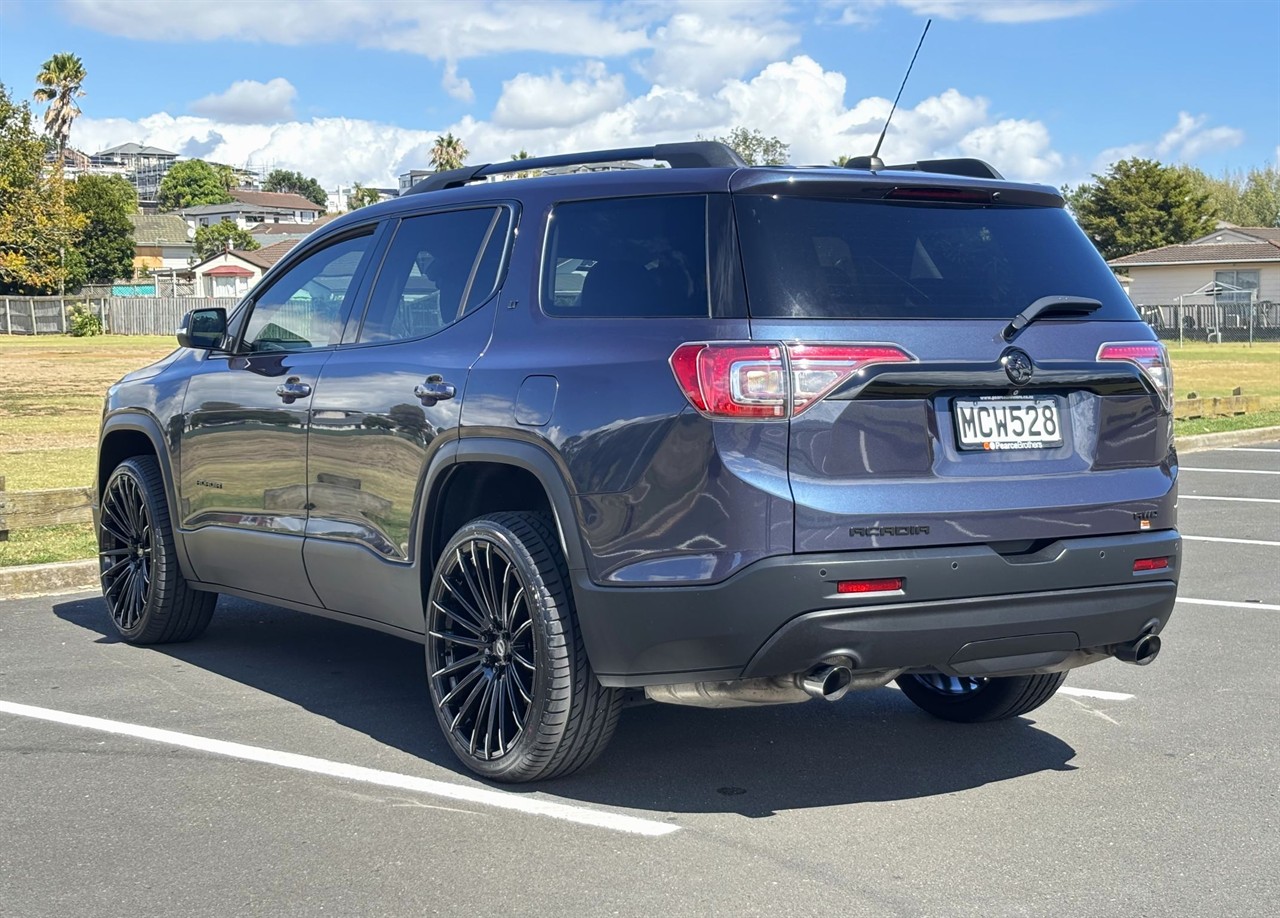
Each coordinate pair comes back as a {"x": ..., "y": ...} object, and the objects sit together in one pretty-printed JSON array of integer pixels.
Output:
[{"x": 82, "y": 323}]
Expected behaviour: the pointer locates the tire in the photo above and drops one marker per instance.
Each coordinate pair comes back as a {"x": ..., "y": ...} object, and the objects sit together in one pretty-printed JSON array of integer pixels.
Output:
[
  {"x": 513, "y": 691},
  {"x": 148, "y": 599},
  {"x": 973, "y": 700}
]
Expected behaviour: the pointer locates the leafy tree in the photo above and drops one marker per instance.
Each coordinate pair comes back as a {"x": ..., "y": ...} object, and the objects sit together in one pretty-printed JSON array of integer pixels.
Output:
[
  {"x": 1140, "y": 204},
  {"x": 219, "y": 237},
  {"x": 286, "y": 182},
  {"x": 755, "y": 148},
  {"x": 448, "y": 152},
  {"x": 525, "y": 173},
  {"x": 841, "y": 160},
  {"x": 191, "y": 183},
  {"x": 362, "y": 197},
  {"x": 226, "y": 176},
  {"x": 37, "y": 226},
  {"x": 105, "y": 250},
  {"x": 60, "y": 80},
  {"x": 1244, "y": 198}
]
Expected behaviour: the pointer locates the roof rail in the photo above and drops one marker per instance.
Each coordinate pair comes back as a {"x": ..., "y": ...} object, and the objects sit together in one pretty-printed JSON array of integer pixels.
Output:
[
  {"x": 693, "y": 155},
  {"x": 974, "y": 168}
]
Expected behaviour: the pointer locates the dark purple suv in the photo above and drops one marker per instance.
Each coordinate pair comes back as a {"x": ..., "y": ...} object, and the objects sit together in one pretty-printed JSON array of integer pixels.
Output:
[{"x": 726, "y": 435}]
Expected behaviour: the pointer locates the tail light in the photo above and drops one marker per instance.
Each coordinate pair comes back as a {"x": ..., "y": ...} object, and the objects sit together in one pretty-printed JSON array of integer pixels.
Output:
[
  {"x": 1150, "y": 564},
  {"x": 1151, "y": 356},
  {"x": 752, "y": 380},
  {"x": 862, "y": 587}
]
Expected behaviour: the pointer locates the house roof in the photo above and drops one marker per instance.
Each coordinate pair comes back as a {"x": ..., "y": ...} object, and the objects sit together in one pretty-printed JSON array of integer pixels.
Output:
[
  {"x": 228, "y": 271},
  {"x": 1229, "y": 234},
  {"x": 159, "y": 229},
  {"x": 134, "y": 149},
  {"x": 266, "y": 257},
  {"x": 1203, "y": 253},
  {"x": 233, "y": 253},
  {"x": 273, "y": 199},
  {"x": 289, "y": 229}
]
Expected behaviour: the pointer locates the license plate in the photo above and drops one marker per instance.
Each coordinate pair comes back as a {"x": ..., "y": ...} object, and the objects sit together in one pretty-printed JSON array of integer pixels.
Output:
[{"x": 1007, "y": 423}]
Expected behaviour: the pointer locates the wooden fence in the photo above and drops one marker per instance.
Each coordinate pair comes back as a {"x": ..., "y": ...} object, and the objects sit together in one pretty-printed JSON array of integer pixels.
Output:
[
  {"x": 143, "y": 315},
  {"x": 37, "y": 509}
]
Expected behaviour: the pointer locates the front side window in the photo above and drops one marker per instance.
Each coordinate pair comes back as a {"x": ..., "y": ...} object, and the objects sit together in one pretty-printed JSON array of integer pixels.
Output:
[
  {"x": 307, "y": 306},
  {"x": 628, "y": 257},
  {"x": 438, "y": 268}
]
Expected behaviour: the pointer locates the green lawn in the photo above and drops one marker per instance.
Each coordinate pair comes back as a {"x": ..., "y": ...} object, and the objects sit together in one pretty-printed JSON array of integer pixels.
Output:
[{"x": 51, "y": 391}]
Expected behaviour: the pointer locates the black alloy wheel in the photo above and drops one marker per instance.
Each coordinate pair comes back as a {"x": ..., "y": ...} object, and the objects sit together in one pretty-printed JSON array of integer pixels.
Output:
[
  {"x": 147, "y": 597},
  {"x": 506, "y": 668},
  {"x": 971, "y": 699}
]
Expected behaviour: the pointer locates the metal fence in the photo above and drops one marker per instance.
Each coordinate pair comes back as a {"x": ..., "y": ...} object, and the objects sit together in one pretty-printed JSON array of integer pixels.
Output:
[
  {"x": 1215, "y": 322},
  {"x": 144, "y": 315}
]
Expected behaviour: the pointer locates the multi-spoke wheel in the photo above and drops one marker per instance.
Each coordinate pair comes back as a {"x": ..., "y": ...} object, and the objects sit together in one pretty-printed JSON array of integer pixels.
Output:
[
  {"x": 508, "y": 674},
  {"x": 147, "y": 597},
  {"x": 969, "y": 699}
]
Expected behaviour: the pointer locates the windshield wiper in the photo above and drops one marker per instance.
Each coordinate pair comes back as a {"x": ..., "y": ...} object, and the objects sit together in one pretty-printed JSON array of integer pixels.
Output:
[{"x": 1050, "y": 306}]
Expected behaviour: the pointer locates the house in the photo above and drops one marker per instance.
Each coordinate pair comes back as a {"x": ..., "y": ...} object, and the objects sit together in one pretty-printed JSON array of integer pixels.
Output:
[
  {"x": 143, "y": 166},
  {"x": 233, "y": 273},
  {"x": 1212, "y": 281},
  {"x": 249, "y": 208},
  {"x": 160, "y": 242},
  {"x": 411, "y": 178},
  {"x": 269, "y": 233}
]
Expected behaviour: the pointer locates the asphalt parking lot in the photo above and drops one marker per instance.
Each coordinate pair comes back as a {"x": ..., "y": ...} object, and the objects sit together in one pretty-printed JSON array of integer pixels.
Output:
[{"x": 302, "y": 774}]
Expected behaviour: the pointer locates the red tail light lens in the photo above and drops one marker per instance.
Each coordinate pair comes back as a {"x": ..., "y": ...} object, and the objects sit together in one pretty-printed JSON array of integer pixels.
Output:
[
  {"x": 1150, "y": 356},
  {"x": 750, "y": 380},
  {"x": 1150, "y": 564},
  {"x": 884, "y": 585}
]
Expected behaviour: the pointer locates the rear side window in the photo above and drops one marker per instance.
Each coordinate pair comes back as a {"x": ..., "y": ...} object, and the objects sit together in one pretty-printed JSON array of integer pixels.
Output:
[
  {"x": 437, "y": 268},
  {"x": 811, "y": 258},
  {"x": 628, "y": 257}
]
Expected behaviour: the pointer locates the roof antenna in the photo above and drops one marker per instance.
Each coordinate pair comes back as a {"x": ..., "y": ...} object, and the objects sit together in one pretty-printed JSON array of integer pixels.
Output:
[{"x": 874, "y": 162}]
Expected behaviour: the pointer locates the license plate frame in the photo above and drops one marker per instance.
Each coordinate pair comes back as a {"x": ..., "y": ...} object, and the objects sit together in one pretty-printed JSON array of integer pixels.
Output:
[{"x": 1015, "y": 423}]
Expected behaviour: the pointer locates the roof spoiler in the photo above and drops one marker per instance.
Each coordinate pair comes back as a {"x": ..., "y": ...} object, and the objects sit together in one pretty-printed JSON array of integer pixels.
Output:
[
  {"x": 973, "y": 168},
  {"x": 698, "y": 154}
]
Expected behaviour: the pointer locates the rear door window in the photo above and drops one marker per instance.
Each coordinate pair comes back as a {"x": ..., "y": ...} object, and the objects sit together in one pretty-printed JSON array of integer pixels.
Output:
[
  {"x": 826, "y": 258},
  {"x": 628, "y": 258}
]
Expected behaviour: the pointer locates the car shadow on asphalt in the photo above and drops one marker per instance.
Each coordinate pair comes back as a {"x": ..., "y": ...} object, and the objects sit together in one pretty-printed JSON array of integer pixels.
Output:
[{"x": 870, "y": 747}]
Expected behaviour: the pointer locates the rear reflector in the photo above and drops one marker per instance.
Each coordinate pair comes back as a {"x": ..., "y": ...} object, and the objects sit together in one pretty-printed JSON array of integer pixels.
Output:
[
  {"x": 1150, "y": 564},
  {"x": 886, "y": 585},
  {"x": 766, "y": 380}
]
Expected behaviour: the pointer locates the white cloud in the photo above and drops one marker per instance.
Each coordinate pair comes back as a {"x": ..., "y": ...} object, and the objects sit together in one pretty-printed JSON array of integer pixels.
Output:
[
  {"x": 1005, "y": 11},
  {"x": 456, "y": 86},
  {"x": 530, "y": 101},
  {"x": 1185, "y": 142},
  {"x": 704, "y": 44},
  {"x": 249, "y": 102},
  {"x": 1019, "y": 148}
]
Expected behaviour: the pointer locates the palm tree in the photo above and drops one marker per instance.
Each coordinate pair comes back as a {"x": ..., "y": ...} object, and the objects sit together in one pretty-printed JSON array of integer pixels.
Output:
[
  {"x": 448, "y": 153},
  {"x": 841, "y": 160},
  {"x": 524, "y": 154},
  {"x": 60, "y": 79}
]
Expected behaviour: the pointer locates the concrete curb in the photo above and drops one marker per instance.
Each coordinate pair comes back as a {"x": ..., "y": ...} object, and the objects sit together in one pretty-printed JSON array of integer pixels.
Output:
[
  {"x": 1227, "y": 438},
  {"x": 29, "y": 580}
]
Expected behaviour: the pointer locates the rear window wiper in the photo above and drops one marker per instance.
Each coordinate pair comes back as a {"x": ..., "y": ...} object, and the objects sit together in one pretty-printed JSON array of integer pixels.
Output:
[{"x": 1051, "y": 306}]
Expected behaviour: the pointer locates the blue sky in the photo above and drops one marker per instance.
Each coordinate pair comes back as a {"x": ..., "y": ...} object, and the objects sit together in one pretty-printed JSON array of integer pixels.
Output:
[{"x": 354, "y": 90}]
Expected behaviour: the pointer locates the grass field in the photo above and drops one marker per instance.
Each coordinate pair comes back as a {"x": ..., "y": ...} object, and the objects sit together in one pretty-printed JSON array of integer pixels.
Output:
[{"x": 51, "y": 391}]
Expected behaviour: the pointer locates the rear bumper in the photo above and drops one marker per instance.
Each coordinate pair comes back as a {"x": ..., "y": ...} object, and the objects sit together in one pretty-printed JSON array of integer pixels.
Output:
[{"x": 963, "y": 609}]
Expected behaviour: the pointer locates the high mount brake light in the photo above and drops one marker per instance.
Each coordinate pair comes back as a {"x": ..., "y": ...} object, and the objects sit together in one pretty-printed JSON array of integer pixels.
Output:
[
  {"x": 1151, "y": 356},
  {"x": 750, "y": 380},
  {"x": 948, "y": 195}
]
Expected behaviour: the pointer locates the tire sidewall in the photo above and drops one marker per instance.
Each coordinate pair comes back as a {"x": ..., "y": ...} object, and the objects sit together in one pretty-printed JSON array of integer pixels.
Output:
[{"x": 161, "y": 550}]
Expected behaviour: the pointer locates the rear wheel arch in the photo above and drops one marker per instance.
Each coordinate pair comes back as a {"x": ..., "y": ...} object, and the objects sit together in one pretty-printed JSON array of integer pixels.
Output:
[{"x": 491, "y": 475}]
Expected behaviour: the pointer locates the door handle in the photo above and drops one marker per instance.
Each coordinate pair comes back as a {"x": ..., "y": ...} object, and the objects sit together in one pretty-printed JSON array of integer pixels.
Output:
[
  {"x": 291, "y": 390},
  {"x": 434, "y": 389}
]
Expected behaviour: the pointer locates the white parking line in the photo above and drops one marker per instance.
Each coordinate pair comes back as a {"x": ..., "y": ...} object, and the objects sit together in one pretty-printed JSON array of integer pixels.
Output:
[
  {"x": 1191, "y": 538},
  {"x": 1242, "y": 500},
  {"x": 1250, "y": 449},
  {"x": 483, "y": 796},
  {"x": 1233, "y": 605},
  {"x": 1094, "y": 693},
  {"x": 1187, "y": 468}
]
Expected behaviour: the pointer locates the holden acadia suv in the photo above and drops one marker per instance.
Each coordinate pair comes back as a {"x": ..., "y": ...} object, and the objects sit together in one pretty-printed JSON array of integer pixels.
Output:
[{"x": 726, "y": 435}]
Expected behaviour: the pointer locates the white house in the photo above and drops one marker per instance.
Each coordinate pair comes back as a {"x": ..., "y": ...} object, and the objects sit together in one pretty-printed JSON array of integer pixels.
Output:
[
  {"x": 250, "y": 208},
  {"x": 234, "y": 272}
]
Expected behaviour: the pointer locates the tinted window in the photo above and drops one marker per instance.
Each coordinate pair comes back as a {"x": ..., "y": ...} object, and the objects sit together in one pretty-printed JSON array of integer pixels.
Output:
[
  {"x": 628, "y": 257},
  {"x": 309, "y": 303},
  {"x": 434, "y": 264},
  {"x": 835, "y": 259}
]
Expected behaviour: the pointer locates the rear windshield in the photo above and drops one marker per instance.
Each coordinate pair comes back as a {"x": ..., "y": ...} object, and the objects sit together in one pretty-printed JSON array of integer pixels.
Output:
[{"x": 812, "y": 258}]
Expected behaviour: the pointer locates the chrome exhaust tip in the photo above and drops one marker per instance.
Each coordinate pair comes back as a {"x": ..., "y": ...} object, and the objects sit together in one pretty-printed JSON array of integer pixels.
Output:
[
  {"x": 830, "y": 683},
  {"x": 1139, "y": 652}
]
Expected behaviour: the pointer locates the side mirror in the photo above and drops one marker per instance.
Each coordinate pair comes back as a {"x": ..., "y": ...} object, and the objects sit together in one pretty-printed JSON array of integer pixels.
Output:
[{"x": 204, "y": 329}]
